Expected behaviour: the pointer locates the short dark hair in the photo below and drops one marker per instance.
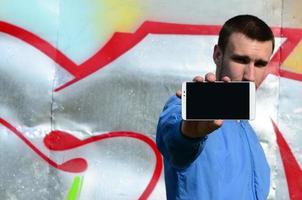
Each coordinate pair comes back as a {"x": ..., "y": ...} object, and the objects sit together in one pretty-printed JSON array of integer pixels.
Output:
[{"x": 250, "y": 26}]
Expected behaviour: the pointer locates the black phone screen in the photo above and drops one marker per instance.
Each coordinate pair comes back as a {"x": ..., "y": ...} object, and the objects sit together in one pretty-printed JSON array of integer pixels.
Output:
[{"x": 218, "y": 100}]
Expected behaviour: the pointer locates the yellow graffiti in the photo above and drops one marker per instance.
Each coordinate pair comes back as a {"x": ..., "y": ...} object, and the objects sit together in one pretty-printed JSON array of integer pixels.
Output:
[
  {"x": 293, "y": 62},
  {"x": 123, "y": 14},
  {"x": 110, "y": 16}
]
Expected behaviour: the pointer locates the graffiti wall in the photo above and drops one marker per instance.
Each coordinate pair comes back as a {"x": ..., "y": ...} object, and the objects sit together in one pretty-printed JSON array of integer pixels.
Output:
[{"x": 82, "y": 84}]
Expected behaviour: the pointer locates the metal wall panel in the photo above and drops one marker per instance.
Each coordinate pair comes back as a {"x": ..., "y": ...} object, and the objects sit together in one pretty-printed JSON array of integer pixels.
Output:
[{"x": 82, "y": 84}]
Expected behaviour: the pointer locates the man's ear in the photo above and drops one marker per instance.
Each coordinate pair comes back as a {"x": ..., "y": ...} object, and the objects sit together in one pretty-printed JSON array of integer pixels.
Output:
[{"x": 217, "y": 55}]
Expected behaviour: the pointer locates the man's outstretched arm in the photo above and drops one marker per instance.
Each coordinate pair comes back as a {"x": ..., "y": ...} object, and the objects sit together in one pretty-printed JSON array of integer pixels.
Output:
[{"x": 177, "y": 148}]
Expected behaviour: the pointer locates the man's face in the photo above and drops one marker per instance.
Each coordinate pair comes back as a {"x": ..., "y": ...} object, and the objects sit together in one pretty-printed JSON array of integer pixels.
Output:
[{"x": 244, "y": 59}]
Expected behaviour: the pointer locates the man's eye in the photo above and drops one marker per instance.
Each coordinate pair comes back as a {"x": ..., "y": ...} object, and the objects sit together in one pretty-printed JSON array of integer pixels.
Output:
[
  {"x": 261, "y": 64},
  {"x": 241, "y": 60}
]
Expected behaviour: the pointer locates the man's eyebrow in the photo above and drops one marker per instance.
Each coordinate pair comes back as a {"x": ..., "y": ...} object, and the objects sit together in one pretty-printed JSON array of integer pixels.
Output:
[
  {"x": 259, "y": 62},
  {"x": 240, "y": 57}
]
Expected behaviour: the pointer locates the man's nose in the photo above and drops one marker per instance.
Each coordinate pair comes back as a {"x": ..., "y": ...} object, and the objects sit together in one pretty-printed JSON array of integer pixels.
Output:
[{"x": 249, "y": 72}]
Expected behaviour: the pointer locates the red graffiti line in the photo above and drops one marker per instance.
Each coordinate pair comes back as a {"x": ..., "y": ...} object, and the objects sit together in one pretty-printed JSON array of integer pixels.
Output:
[
  {"x": 115, "y": 47},
  {"x": 74, "y": 165},
  {"x": 60, "y": 141},
  {"x": 293, "y": 37},
  {"x": 40, "y": 44},
  {"x": 292, "y": 169},
  {"x": 122, "y": 42}
]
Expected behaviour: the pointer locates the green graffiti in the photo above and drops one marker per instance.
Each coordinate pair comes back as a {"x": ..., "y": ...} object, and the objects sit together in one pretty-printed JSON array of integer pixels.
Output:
[{"x": 75, "y": 189}]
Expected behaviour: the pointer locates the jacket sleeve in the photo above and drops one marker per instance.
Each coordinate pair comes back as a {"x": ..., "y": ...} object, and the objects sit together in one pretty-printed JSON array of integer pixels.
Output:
[{"x": 178, "y": 149}]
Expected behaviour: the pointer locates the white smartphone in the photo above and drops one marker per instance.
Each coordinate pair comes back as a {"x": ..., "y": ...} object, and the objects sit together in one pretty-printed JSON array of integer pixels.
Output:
[{"x": 218, "y": 100}]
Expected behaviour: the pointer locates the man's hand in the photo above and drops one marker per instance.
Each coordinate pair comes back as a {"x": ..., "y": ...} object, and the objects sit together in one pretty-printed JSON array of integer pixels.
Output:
[{"x": 196, "y": 129}]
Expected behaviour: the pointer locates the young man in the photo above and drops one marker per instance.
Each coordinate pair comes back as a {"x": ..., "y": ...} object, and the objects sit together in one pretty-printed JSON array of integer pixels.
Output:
[{"x": 219, "y": 159}]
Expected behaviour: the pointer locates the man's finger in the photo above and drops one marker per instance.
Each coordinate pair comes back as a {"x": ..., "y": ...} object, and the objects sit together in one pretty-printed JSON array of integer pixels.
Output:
[
  {"x": 198, "y": 79},
  {"x": 210, "y": 77},
  {"x": 178, "y": 93},
  {"x": 218, "y": 122},
  {"x": 212, "y": 126},
  {"x": 226, "y": 79}
]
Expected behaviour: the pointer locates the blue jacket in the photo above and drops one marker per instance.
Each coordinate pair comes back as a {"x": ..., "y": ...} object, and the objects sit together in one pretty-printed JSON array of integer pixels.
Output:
[{"x": 227, "y": 164}]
